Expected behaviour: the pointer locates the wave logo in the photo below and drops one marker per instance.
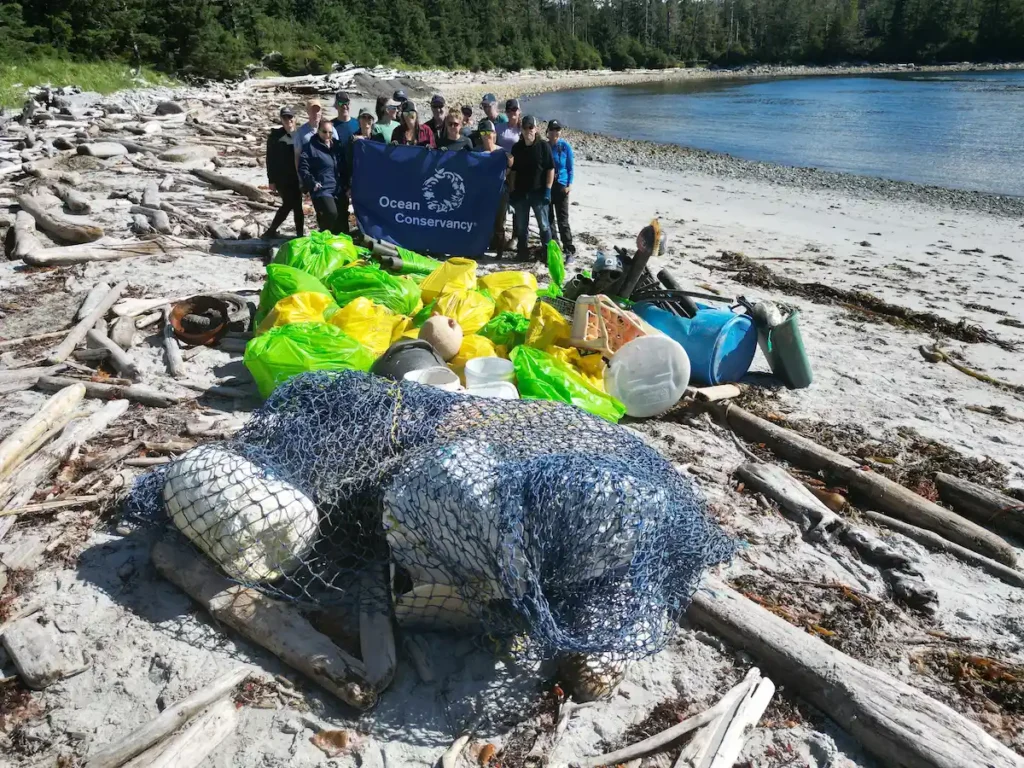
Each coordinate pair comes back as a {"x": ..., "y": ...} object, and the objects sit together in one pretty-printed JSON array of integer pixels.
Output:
[{"x": 444, "y": 191}]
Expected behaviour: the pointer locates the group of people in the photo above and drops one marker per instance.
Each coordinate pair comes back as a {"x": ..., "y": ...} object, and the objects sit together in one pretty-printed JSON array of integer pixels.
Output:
[{"x": 316, "y": 159}]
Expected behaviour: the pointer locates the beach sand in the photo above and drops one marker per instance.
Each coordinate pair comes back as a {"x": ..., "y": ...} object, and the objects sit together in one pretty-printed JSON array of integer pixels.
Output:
[{"x": 146, "y": 642}]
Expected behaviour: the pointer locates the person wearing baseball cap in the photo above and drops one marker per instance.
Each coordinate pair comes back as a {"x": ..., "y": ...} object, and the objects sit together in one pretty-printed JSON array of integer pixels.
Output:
[
  {"x": 409, "y": 129},
  {"x": 399, "y": 97},
  {"x": 561, "y": 153},
  {"x": 509, "y": 133},
  {"x": 487, "y": 141},
  {"x": 314, "y": 113},
  {"x": 324, "y": 177},
  {"x": 282, "y": 174},
  {"x": 467, "y": 121},
  {"x": 489, "y": 104},
  {"x": 437, "y": 119},
  {"x": 344, "y": 124},
  {"x": 533, "y": 174}
]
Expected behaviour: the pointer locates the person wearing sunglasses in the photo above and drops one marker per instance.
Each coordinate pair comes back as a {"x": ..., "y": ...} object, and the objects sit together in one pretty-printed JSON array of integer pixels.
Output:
[
  {"x": 386, "y": 123},
  {"x": 489, "y": 143},
  {"x": 467, "y": 122},
  {"x": 305, "y": 132},
  {"x": 410, "y": 130},
  {"x": 322, "y": 169},
  {"x": 509, "y": 133},
  {"x": 437, "y": 111},
  {"x": 282, "y": 174},
  {"x": 451, "y": 138}
]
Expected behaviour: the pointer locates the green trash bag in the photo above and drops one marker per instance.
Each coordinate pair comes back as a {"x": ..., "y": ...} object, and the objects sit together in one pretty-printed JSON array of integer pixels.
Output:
[
  {"x": 556, "y": 271},
  {"x": 539, "y": 376},
  {"x": 282, "y": 281},
  {"x": 507, "y": 329},
  {"x": 319, "y": 254},
  {"x": 288, "y": 350},
  {"x": 423, "y": 315},
  {"x": 415, "y": 264},
  {"x": 398, "y": 294}
]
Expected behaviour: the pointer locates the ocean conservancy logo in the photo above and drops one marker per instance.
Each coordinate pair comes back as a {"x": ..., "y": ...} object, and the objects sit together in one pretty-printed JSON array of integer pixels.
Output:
[{"x": 444, "y": 192}]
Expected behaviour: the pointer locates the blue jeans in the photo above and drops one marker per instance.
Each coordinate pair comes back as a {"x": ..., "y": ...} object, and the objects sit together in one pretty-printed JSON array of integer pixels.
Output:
[{"x": 522, "y": 206}]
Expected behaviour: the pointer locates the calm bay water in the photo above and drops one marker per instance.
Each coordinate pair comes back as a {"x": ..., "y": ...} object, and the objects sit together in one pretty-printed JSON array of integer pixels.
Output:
[{"x": 960, "y": 130}]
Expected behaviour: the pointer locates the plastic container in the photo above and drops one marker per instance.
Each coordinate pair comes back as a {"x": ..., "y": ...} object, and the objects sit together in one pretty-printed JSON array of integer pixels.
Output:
[
  {"x": 488, "y": 370},
  {"x": 783, "y": 348},
  {"x": 405, "y": 356},
  {"x": 502, "y": 390},
  {"x": 720, "y": 344},
  {"x": 441, "y": 377},
  {"x": 648, "y": 375}
]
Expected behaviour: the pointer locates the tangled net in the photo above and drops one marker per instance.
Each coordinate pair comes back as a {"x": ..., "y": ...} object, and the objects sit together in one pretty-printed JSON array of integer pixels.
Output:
[{"x": 525, "y": 519}]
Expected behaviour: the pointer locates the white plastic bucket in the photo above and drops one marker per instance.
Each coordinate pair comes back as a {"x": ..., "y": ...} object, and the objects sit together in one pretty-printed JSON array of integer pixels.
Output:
[
  {"x": 488, "y": 370},
  {"x": 648, "y": 375},
  {"x": 503, "y": 390},
  {"x": 436, "y": 376}
]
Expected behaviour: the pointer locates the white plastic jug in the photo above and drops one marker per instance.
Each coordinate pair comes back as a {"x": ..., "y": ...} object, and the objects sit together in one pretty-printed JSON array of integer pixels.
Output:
[
  {"x": 436, "y": 376},
  {"x": 488, "y": 370},
  {"x": 503, "y": 390},
  {"x": 648, "y": 375}
]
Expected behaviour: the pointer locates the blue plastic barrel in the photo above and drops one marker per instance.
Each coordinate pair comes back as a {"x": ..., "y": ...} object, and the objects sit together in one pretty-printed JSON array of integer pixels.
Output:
[{"x": 720, "y": 344}]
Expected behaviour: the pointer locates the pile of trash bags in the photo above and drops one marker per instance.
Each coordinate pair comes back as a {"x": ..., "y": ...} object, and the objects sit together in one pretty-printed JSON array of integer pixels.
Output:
[{"x": 328, "y": 304}]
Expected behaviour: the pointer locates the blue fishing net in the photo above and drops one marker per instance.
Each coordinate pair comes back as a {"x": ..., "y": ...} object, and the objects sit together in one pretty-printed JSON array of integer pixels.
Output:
[{"x": 525, "y": 520}]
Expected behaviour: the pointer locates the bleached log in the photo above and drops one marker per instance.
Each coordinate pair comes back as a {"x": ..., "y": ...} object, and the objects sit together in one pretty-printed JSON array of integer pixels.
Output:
[
  {"x": 102, "y": 250},
  {"x": 200, "y": 738},
  {"x": 90, "y": 355},
  {"x": 24, "y": 233},
  {"x": 122, "y": 363},
  {"x": 135, "y": 307},
  {"x": 717, "y": 393},
  {"x": 17, "y": 341},
  {"x": 151, "y": 195},
  {"x": 78, "y": 333},
  {"x": 746, "y": 718},
  {"x": 890, "y": 496},
  {"x": 122, "y": 333},
  {"x": 134, "y": 147},
  {"x": 166, "y": 183},
  {"x": 56, "y": 412},
  {"x": 226, "y": 182},
  {"x": 898, "y": 724},
  {"x": 776, "y": 483},
  {"x": 220, "y": 231},
  {"x": 137, "y": 393},
  {"x": 92, "y": 300},
  {"x": 21, "y": 379},
  {"x": 39, "y": 171},
  {"x": 38, "y": 654},
  {"x": 982, "y": 505},
  {"x": 57, "y": 225},
  {"x": 75, "y": 201},
  {"x": 276, "y": 626},
  {"x": 53, "y": 505},
  {"x": 103, "y": 149},
  {"x": 450, "y": 758},
  {"x": 168, "y": 721},
  {"x": 157, "y": 218},
  {"x": 172, "y": 352}
]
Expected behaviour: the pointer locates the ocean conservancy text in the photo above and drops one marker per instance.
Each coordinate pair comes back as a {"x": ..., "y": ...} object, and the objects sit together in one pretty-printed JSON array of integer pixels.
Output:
[{"x": 421, "y": 221}]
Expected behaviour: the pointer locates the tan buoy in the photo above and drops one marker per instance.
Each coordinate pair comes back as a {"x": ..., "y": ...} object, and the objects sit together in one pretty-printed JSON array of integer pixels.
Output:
[{"x": 444, "y": 334}]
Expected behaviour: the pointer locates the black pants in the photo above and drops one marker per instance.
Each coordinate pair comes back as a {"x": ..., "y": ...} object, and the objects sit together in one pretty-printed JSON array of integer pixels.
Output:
[
  {"x": 560, "y": 218},
  {"x": 291, "y": 201},
  {"x": 332, "y": 213}
]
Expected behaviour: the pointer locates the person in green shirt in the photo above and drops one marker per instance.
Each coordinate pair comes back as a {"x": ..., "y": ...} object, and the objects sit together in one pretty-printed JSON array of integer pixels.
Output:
[{"x": 386, "y": 122}]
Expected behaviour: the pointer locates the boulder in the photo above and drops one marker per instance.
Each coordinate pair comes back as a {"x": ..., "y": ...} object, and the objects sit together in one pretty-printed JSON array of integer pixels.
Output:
[
  {"x": 63, "y": 142},
  {"x": 188, "y": 153},
  {"x": 169, "y": 108},
  {"x": 102, "y": 149}
]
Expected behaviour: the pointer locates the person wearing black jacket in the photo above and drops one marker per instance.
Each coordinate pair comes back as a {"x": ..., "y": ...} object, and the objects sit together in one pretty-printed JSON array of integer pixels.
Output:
[
  {"x": 281, "y": 174},
  {"x": 322, "y": 169},
  {"x": 533, "y": 174}
]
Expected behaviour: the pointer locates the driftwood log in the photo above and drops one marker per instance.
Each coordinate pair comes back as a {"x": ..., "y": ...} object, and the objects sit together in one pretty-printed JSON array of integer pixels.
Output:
[
  {"x": 137, "y": 393},
  {"x": 226, "y": 182},
  {"x": 276, "y": 626},
  {"x": 59, "y": 226},
  {"x": 38, "y": 653},
  {"x": 102, "y": 250},
  {"x": 982, "y": 505},
  {"x": 122, "y": 363},
  {"x": 175, "y": 363},
  {"x": 168, "y": 721},
  {"x": 901, "y": 726},
  {"x": 890, "y": 496},
  {"x": 57, "y": 412},
  {"x": 195, "y": 743},
  {"x": 78, "y": 333},
  {"x": 92, "y": 300},
  {"x": 122, "y": 332},
  {"x": 75, "y": 201},
  {"x": 24, "y": 236},
  {"x": 157, "y": 218},
  {"x": 21, "y": 379}
]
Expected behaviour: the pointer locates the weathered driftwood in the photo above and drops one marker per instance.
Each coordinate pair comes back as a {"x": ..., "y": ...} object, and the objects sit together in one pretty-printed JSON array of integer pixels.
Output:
[
  {"x": 195, "y": 743},
  {"x": 75, "y": 201},
  {"x": 936, "y": 543},
  {"x": 890, "y": 496},
  {"x": 38, "y": 654},
  {"x": 982, "y": 505},
  {"x": 450, "y": 758},
  {"x": 151, "y": 195},
  {"x": 898, "y": 724},
  {"x": 376, "y": 633},
  {"x": 92, "y": 300},
  {"x": 776, "y": 483},
  {"x": 59, "y": 226},
  {"x": 661, "y": 740},
  {"x": 743, "y": 720},
  {"x": 220, "y": 231},
  {"x": 40, "y": 171},
  {"x": 122, "y": 363},
  {"x": 137, "y": 393},
  {"x": 157, "y": 218},
  {"x": 122, "y": 332},
  {"x": 102, "y": 250},
  {"x": 21, "y": 379},
  {"x": 134, "y": 307},
  {"x": 57, "y": 411},
  {"x": 716, "y": 393},
  {"x": 168, "y": 721},
  {"x": 35, "y": 337},
  {"x": 90, "y": 355},
  {"x": 103, "y": 149},
  {"x": 172, "y": 352},
  {"x": 276, "y": 626},
  {"x": 78, "y": 333},
  {"x": 226, "y": 182},
  {"x": 53, "y": 505},
  {"x": 147, "y": 461},
  {"x": 24, "y": 233}
]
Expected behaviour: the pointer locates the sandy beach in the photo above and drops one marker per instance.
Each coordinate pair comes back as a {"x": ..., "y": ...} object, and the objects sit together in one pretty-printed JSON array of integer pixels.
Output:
[{"x": 874, "y": 396}]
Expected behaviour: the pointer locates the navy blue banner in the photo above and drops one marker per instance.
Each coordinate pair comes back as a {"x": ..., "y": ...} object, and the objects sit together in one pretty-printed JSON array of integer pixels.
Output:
[{"x": 424, "y": 199}]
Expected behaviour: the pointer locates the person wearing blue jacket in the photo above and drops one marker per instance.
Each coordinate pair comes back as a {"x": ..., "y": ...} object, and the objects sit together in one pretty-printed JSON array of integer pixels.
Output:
[
  {"x": 561, "y": 153},
  {"x": 323, "y": 175}
]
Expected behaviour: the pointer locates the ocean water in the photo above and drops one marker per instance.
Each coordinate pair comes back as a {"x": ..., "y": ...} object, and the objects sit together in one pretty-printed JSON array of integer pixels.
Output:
[{"x": 959, "y": 130}]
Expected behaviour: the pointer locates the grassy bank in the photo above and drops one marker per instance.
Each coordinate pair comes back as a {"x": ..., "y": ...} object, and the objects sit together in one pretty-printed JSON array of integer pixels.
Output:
[{"x": 101, "y": 76}]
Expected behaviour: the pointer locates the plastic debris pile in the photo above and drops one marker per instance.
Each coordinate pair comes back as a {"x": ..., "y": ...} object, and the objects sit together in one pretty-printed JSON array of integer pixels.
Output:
[{"x": 529, "y": 520}]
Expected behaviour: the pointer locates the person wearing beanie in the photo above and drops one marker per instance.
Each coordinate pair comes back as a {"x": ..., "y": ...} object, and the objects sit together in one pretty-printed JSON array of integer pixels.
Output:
[
  {"x": 561, "y": 153},
  {"x": 282, "y": 174}
]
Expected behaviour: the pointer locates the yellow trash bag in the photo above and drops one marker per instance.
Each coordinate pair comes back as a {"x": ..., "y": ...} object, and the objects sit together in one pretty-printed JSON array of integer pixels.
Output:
[
  {"x": 520, "y": 299},
  {"x": 455, "y": 274},
  {"x": 303, "y": 307},
  {"x": 548, "y": 328},
  {"x": 496, "y": 282},
  {"x": 473, "y": 345},
  {"x": 372, "y": 325},
  {"x": 469, "y": 308},
  {"x": 590, "y": 366}
]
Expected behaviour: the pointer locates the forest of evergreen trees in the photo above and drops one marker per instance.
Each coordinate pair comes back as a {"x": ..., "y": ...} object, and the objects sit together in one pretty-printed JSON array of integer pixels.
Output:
[{"x": 218, "y": 38}]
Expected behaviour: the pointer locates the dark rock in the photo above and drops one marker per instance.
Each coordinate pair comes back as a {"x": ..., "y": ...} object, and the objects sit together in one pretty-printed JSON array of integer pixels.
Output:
[
  {"x": 169, "y": 108},
  {"x": 62, "y": 142}
]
